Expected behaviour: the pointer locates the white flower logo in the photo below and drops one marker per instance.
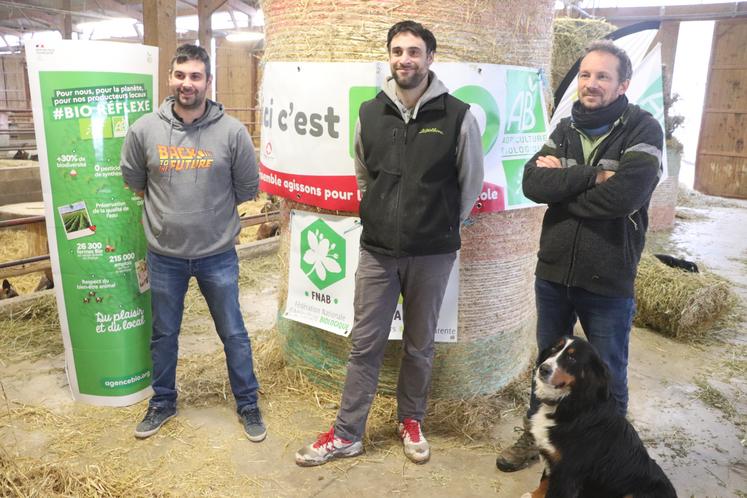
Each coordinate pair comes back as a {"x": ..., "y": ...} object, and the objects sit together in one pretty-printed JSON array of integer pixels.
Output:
[{"x": 318, "y": 256}]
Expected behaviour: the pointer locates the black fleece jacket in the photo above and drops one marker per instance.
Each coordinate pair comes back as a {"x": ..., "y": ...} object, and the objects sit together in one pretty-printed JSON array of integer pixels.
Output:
[{"x": 593, "y": 234}]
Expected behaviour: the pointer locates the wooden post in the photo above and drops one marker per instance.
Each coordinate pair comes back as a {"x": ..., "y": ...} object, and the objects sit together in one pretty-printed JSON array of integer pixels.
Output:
[
  {"x": 67, "y": 21},
  {"x": 205, "y": 9},
  {"x": 667, "y": 36},
  {"x": 159, "y": 30}
]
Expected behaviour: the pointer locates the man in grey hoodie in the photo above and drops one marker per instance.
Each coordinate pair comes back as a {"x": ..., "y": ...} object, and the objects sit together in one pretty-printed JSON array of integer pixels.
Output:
[
  {"x": 419, "y": 165},
  {"x": 193, "y": 164}
]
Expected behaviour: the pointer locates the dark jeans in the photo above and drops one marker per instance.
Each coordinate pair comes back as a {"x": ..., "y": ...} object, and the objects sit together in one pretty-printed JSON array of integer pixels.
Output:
[
  {"x": 606, "y": 322},
  {"x": 217, "y": 277}
]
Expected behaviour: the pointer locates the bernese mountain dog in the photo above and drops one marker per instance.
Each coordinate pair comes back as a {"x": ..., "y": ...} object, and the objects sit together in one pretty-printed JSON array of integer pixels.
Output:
[{"x": 589, "y": 449}]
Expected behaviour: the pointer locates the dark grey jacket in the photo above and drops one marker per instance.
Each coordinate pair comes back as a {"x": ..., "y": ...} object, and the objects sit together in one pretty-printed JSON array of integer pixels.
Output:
[{"x": 593, "y": 234}]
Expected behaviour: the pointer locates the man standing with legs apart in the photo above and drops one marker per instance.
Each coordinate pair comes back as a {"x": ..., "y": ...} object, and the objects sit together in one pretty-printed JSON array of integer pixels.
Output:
[
  {"x": 596, "y": 173},
  {"x": 419, "y": 167},
  {"x": 193, "y": 164}
]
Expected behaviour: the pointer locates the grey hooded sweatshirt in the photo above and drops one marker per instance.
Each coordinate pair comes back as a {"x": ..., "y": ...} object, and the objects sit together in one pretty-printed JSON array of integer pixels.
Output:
[{"x": 193, "y": 176}]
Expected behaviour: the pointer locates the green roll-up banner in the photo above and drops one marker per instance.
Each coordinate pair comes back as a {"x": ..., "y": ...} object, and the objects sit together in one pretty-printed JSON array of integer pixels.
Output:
[{"x": 84, "y": 96}]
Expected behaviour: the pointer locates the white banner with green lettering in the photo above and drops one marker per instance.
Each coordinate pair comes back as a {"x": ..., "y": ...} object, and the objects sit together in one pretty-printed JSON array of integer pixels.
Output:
[
  {"x": 84, "y": 97},
  {"x": 309, "y": 112},
  {"x": 324, "y": 252}
]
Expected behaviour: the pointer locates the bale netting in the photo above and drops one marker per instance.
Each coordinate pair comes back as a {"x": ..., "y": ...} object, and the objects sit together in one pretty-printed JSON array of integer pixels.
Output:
[
  {"x": 496, "y": 305},
  {"x": 570, "y": 36},
  {"x": 678, "y": 303}
]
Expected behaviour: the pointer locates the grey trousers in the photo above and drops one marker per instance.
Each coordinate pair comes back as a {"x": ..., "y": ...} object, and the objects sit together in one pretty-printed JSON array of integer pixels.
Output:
[{"x": 378, "y": 283}]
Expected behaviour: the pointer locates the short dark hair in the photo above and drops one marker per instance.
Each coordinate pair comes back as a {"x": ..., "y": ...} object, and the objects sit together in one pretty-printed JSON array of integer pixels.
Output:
[
  {"x": 624, "y": 66},
  {"x": 189, "y": 52},
  {"x": 416, "y": 29}
]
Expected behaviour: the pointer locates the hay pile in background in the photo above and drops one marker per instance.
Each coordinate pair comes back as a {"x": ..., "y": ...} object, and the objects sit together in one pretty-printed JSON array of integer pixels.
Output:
[
  {"x": 14, "y": 244},
  {"x": 677, "y": 303},
  {"x": 31, "y": 332},
  {"x": 570, "y": 36}
]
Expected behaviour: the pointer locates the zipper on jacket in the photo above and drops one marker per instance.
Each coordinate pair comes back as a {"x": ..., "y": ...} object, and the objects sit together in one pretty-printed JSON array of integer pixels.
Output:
[
  {"x": 400, "y": 157},
  {"x": 630, "y": 217},
  {"x": 573, "y": 255}
]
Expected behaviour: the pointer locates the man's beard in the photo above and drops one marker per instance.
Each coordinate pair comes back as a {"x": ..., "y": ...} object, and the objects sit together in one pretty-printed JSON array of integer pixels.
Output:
[
  {"x": 411, "y": 81},
  {"x": 198, "y": 100}
]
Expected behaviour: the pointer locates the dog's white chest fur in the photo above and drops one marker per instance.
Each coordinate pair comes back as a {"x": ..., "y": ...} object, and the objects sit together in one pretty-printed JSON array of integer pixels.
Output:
[{"x": 541, "y": 425}]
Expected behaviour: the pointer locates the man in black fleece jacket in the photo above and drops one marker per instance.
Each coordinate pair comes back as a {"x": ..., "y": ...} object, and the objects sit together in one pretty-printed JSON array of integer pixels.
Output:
[{"x": 596, "y": 173}]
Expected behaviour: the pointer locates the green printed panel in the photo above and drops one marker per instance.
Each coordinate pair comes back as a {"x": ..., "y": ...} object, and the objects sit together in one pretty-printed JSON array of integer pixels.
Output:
[
  {"x": 100, "y": 241},
  {"x": 514, "y": 169},
  {"x": 356, "y": 96}
]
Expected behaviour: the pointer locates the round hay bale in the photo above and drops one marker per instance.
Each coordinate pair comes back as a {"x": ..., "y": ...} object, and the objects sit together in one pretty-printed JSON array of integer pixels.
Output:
[
  {"x": 678, "y": 303},
  {"x": 570, "y": 36},
  {"x": 496, "y": 310}
]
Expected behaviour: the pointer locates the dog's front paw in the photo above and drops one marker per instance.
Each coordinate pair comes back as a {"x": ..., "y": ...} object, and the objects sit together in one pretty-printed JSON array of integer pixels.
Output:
[{"x": 526, "y": 495}]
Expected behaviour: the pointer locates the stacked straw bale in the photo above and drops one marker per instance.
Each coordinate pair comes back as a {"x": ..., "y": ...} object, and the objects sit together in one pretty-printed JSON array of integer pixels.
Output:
[
  {"x": 496, "y": 303},
  {"x": 570, "y": 36},
  {"x": 677, "y": 303}
]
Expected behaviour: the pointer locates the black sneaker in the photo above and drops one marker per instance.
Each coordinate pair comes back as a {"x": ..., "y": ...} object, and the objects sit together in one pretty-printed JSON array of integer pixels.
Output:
[
  {"x": 154, "y": 419},
  {"x": 254, "y": 428}
]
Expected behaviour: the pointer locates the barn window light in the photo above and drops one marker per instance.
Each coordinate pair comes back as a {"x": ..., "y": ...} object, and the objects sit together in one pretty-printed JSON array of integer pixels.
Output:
[{"x": 245, "y": 36}]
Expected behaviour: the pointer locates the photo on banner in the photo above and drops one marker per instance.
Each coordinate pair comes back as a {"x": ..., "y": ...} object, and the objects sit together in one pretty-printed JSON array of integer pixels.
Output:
[{"x": 85, "y": 95}]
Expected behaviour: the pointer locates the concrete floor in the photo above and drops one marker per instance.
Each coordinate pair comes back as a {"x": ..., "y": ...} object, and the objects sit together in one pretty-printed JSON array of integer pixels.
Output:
[{"x": 699, "y": 445}]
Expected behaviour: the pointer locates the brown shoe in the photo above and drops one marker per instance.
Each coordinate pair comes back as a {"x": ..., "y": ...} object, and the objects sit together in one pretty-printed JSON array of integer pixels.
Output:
[{"x": 521, "y": 454}]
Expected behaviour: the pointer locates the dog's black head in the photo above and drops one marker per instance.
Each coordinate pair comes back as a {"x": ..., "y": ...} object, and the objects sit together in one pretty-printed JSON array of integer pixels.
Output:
[{"x": 571, "y": 368}]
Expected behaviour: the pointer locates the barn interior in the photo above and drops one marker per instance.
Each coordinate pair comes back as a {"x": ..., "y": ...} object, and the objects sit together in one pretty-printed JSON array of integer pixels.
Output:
[{"x": 688, "y": 362}]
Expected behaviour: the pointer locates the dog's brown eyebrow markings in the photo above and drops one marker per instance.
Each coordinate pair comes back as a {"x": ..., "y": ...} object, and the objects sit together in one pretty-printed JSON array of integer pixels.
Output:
[{"x": 571, "y": 350}]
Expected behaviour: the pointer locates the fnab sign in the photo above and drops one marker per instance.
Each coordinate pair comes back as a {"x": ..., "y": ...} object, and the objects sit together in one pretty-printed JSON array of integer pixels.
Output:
[
  {"x": 309, "y": 113},
  {"x": 324, "y": 252}
]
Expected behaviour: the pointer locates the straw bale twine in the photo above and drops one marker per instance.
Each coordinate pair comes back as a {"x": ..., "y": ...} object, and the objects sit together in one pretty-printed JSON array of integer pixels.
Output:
[
  {"x": 570, "y": 36},
  {"x": 498, "y": 252},
  {"x": 677, "y": 303}
]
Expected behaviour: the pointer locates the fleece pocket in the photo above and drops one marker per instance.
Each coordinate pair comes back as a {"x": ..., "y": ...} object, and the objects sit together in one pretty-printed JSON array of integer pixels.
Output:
[{"x": 196, "y": 229}]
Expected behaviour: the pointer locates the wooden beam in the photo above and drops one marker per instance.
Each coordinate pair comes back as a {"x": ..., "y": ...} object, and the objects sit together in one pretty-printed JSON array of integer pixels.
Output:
[
  {"x": 205, "y": 9},
  {"x": 667, "y": 36},
  {"x": 621, "y": 16},
  {"x": 67, "y": 21},
  {"x": 159, "y": 30},
  {"x": 242, "y": 7},
  {"x": 113, "y": 6},
  {"x": 53, "y": 21}
]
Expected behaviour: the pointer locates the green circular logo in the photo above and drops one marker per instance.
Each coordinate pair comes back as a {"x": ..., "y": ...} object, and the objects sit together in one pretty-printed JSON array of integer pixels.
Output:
[{"x": 473, "y": 94}]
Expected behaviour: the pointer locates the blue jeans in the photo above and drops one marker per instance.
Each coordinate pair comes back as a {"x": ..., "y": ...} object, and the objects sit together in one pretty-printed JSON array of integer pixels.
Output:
[
  {"x": 606, "y": 322},
  {"x": 218, "y": 279}
]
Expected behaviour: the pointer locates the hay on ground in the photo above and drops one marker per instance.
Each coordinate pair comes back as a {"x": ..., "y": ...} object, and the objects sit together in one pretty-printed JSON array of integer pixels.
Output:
[
  {"x": 24, "y": 476},
  {"x": 677, "y": 303},
  {"x": 31, "y": 332}
]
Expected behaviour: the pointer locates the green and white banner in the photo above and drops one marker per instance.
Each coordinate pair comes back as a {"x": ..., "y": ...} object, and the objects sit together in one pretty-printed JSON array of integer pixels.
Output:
[
  {"x": 309, "y": 112},
  {"x": 84, "y": 96},
  {"x": 324, "y": 252}
]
